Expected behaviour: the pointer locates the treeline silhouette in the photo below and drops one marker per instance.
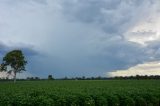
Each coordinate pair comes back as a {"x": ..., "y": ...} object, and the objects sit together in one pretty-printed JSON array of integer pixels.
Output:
[
  {"x": 137, "y": 77},
  {"x": 50, "y": 77}
]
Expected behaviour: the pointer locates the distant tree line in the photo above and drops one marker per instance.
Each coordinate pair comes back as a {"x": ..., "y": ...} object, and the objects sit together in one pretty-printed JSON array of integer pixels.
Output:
[
  {"x": 50, "y": 77},
  {"x": 137, "y": 77}
]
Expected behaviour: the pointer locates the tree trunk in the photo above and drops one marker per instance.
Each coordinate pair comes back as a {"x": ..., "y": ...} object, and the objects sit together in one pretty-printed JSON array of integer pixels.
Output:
[{"x": 14, "y": 76}]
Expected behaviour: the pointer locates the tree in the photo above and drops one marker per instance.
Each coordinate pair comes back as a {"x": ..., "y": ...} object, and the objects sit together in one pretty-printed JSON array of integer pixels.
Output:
[
  {"x": 50, "y": 77},
  {"x": 14, "y": 62}
]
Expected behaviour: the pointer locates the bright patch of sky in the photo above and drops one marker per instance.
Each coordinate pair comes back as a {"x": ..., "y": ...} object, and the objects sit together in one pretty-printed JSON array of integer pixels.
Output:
[{"x": 150, "y": 68}]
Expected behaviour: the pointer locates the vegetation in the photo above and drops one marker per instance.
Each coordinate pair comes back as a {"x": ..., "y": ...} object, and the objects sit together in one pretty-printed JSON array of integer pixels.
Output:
[
  {"x": 50, "y": 77},
  {"x": 14, "y": 62},
  {"x": 137, "y": 77},
  {"x": 80, "y": 93}
]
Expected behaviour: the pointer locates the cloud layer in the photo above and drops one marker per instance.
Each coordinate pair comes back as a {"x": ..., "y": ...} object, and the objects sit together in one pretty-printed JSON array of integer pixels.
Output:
[
  {"x": 150, "y": 68},
  {"x": 82, "y": 37}
]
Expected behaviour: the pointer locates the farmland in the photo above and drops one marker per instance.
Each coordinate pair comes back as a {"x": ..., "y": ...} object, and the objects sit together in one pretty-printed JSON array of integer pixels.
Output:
[{"x": 80, "y": 93}]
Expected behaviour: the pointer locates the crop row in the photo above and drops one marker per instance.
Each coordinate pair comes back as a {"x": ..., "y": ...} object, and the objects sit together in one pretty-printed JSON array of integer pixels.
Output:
[
  {"x": 42, "y": 98},
  {"x": 81, "y": 93}
]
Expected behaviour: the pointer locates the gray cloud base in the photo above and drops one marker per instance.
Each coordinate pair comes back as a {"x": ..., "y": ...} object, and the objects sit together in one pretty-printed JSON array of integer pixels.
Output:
[{"x": 78, "y": 37}]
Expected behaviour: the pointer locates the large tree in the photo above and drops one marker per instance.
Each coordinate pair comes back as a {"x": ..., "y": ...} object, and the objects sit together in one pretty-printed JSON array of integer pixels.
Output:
[{"x": 14, "y": 62}]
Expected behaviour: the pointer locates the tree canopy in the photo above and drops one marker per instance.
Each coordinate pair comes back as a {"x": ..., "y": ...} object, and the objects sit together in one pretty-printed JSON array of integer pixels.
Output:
[{"x": 16, "y": 60}]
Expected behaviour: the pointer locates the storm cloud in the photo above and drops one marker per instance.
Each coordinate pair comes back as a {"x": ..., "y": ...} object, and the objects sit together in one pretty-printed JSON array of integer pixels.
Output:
[{"x": 81, "y": 37}]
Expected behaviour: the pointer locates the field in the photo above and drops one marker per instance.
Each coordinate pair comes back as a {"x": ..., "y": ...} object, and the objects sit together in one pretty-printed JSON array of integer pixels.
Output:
[{"x": 81, "y": 93}]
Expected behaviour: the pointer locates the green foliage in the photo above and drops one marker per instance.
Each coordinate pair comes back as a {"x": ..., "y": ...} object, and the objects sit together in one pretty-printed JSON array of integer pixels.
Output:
[
  {"x": 15, "y": 59},
  {"x": 81, "y": 93},
  {"x": 50, "y": 77}
]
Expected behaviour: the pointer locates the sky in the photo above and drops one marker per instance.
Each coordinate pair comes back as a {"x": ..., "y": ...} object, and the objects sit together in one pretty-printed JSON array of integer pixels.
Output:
[{"x": 82, "y": 37}]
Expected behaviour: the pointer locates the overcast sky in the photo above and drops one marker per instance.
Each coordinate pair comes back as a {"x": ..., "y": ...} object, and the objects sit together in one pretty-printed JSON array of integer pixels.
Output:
[{"x": 81, "y": 37}]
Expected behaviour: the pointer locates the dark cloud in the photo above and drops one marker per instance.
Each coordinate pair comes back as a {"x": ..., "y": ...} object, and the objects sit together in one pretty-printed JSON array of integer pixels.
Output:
[
  {"x": 27, "y": 49},
  {"x": 112, "y": 16},
  {"x": 121, "y": 55},
  {"x": 3, "y": 49},
  {"x": 114, "y": 55},
  {"x": 78, "y": 37},
  {"x": 153, "y": 49}
]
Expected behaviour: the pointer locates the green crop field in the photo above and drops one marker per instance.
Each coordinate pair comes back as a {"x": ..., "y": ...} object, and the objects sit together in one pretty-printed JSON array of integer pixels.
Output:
[{"x": 81, "y": 93}]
